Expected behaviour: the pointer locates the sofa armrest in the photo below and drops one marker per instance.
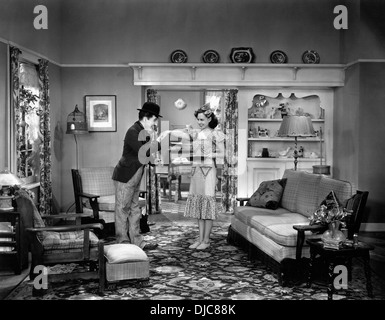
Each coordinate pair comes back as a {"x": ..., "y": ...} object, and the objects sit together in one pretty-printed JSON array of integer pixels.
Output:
[{"x": 242, "y": 200}]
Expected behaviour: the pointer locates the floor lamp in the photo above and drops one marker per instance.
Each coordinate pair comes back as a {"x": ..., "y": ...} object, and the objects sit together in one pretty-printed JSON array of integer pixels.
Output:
[
  {"x": 77, "y": 124},
  {"x": 296, "y": 126}
]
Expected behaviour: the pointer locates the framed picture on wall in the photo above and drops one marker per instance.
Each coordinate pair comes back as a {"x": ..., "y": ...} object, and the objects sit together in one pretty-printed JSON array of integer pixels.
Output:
[{"x": 101, "y": 113}]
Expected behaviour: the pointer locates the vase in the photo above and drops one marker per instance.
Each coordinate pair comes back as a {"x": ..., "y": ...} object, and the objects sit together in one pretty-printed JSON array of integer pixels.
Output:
[{"x": 334, "y": 232}]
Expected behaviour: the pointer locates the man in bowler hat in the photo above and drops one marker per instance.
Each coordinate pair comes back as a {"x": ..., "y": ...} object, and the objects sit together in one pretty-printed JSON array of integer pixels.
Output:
[{"x": 128, "y": 174}]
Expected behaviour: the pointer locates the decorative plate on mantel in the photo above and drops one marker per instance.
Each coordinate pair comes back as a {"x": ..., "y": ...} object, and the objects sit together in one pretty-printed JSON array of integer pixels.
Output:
[
  {"x": 242, "y": 55},
  {"x": 178, "y": 56},
  {"x": 278, "y": 56},
  {"x": 310, "y": 57},
  {"x": 210, "y": 56}
]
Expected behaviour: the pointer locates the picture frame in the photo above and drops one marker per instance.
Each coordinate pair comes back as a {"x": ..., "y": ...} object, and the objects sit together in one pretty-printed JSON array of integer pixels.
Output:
[{"x": 101, "y": 113}]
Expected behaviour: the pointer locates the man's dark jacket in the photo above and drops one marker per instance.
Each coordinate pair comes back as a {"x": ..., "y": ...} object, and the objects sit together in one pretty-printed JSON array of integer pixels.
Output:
[{"x": 129, "y": 162}]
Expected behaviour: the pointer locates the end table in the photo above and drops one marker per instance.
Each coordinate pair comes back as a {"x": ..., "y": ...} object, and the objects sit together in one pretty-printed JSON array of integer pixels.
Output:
[{"x": 332, "y": 255}]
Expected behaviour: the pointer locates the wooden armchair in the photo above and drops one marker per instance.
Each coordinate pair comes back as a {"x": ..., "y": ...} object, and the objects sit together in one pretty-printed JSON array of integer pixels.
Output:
[
  {"x": 94, "y": 193},
  {"x": 50, "y": 245}
]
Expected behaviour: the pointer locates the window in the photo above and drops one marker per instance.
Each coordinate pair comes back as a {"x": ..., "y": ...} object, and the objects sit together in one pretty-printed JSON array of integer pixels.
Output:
[{"x": 28, "y": 139}]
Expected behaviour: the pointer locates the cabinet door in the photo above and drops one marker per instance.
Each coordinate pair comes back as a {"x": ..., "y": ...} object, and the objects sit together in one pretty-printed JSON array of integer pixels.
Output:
[{"x": 258, "y": 172}]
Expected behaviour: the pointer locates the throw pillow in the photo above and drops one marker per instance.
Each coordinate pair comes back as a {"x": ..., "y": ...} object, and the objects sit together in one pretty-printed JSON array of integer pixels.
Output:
[{"x": 268, "y": 194}]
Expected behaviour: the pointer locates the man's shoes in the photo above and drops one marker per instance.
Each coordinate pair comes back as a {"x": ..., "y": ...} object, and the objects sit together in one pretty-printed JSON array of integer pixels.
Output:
[{"x": 150, "y": 246}]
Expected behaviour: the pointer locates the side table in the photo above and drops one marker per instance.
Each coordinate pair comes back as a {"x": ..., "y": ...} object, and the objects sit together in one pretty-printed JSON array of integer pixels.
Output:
[{"x": 332, "y": 255}]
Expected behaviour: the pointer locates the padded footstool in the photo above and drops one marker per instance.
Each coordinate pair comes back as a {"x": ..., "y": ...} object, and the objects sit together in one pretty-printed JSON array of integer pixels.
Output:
[{"x": 124, "y": 261}]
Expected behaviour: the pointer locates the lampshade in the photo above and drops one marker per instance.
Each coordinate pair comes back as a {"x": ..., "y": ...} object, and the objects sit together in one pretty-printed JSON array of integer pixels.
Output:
[
  {"x": 296, "y": 126},
  {"x": 77, "y": 122},
  {"x": 9, "y": 179}
]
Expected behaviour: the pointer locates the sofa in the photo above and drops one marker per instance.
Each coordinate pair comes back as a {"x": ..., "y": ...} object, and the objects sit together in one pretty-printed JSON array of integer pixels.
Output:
[
  {"x": 94, "y": 193},
  {"x": 273, "y": 235}
]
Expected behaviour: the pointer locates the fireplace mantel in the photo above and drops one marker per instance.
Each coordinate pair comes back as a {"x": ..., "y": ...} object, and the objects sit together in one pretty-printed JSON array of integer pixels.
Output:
[{"x": 238, "y": 75}]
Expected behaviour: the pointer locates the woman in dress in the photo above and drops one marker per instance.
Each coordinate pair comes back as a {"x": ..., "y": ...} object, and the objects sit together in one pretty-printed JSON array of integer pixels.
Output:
[{"x": 207, "y": 144}]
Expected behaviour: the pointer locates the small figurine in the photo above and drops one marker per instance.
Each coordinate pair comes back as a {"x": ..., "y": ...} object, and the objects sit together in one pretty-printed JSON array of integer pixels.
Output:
[
  {"x": 284, "y": 109},
  {"x": 300, "y": 152}
]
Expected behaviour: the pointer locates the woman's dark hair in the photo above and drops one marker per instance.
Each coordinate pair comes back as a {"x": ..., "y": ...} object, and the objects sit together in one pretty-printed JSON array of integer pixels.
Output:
[
  {"x": 214, "y": 120},
  {"x": 146, "y": 114}
]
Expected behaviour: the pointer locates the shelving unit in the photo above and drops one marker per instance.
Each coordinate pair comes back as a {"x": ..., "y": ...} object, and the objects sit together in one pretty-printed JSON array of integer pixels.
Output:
[{"x": 264, "y": 118}]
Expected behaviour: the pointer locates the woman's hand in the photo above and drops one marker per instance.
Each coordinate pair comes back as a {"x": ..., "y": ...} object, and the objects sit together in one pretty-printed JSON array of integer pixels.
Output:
[{"x": 163, "y": 135}]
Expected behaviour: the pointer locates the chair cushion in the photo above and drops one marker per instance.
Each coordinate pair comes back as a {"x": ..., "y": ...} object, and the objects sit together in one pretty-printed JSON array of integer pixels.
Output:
[
  {"x": 67, "y": 240},
  {"x": 124, "y": 252},
  {"x": 97, "y": 180}
]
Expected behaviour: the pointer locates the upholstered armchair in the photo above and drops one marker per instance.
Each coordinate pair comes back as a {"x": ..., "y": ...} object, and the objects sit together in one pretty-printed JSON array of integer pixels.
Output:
[{"x": 61, "y": 244}]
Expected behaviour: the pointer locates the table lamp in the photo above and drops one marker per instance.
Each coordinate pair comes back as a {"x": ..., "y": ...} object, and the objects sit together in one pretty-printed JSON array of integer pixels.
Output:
[
  {"x": 296, "y": 126},
  {"x": 7, "y": 181},
  {"x": 77, "y": 124}
]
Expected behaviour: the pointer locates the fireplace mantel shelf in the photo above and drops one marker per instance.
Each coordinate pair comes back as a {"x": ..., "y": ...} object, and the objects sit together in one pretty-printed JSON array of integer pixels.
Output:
[{"x": 239, "y": 75}]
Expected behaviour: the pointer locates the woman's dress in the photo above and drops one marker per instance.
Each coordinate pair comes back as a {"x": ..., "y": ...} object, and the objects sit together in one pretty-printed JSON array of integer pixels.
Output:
[{"x": 201, "y": 201}]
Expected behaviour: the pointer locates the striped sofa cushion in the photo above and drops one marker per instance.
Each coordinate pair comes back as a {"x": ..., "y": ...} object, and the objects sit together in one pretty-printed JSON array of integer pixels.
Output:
[
  {"x": 97, "y": 180},
  {"x": 289, "y": 196},
  {"x": 307, "y": 195},
  {"x": 342, "y": 189}
]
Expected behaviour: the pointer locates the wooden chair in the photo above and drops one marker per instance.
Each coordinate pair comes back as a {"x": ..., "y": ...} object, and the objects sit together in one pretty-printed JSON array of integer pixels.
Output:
[
  {"x": 62, "y": 244},
  {"x": 94, "y": 194}
]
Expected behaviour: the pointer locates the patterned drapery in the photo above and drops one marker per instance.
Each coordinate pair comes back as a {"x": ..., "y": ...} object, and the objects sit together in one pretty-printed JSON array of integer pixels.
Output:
[
  {"x": 45, "y": 135},
  {"x": 15, "y": 79},
  {"x": 154, "y": 192},
  {"x": 230, "y": 167}
]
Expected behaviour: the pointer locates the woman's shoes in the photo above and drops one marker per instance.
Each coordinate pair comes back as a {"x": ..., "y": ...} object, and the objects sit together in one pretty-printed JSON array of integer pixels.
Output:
[
  {"x": 203, "y": 246},
  {"x": 194, "y": 245}
]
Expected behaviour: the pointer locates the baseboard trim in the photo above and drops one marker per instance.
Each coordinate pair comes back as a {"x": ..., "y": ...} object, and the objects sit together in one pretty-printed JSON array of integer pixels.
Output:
[{"x": 373, "y": 227}]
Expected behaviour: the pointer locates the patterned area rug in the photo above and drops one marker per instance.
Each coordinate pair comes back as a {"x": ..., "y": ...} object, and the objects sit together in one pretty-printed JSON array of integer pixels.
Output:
[{"x": 221, "y": 272}]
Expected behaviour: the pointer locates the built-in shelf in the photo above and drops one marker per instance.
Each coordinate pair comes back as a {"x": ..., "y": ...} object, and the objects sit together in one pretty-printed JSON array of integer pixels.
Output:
[{"x": 234, "y": 74}]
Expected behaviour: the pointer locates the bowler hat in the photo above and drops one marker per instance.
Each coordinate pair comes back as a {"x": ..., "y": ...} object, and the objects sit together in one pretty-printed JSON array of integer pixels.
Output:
[{"x": 152, "y": 108}]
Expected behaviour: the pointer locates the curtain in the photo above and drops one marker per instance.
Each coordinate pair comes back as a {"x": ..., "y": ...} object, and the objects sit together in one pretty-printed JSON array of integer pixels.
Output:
[
  {"x": 15, "y": 83},
  {"x": 153, "y": 188},
  {"x": 230, "y": 167},
  {"x": 45, "y": 135}
]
